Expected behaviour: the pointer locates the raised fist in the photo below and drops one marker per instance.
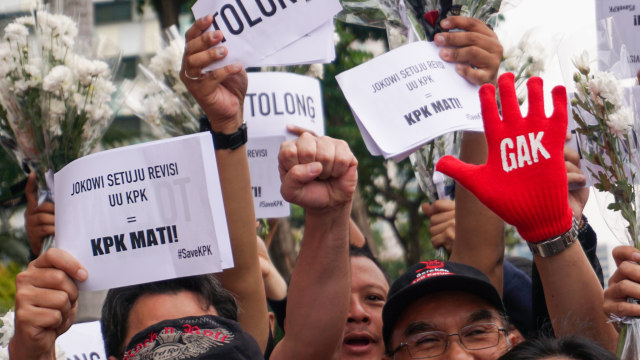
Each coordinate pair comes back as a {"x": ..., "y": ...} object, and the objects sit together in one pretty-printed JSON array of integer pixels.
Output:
[{"x": 319, "y": 174}]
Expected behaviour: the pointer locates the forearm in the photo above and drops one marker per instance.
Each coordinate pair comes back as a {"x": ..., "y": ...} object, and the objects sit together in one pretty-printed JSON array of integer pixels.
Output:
[
  {"x": 245, "y": 279},
  {"x": 21, "y": 350},
  {"x": 574, "y": 296},
  {"x": 479, "y": 232},
  {"x": 319, "y": 288},
  {"x": 274, "y": 285}
]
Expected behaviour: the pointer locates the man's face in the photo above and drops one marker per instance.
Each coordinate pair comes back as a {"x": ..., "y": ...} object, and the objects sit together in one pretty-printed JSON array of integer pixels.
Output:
[
  {"x": 150, "y": 309},
  {"x": 362, "y": 337},
  {"x": 449, "y": 312}
]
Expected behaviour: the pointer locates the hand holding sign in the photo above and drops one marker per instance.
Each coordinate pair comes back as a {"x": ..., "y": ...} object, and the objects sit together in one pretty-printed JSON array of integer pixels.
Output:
[
  {"x": 477, "y": 50},
  {"x": 46, "y": 303},
  {"x": 524, "y": 180},
  {"x": 319, "y": 174},
  {"x": 220, "y": 93}
]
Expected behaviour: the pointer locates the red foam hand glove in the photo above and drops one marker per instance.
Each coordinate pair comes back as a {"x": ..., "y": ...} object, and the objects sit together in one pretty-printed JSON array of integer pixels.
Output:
[{"x": 524, "y": 180}]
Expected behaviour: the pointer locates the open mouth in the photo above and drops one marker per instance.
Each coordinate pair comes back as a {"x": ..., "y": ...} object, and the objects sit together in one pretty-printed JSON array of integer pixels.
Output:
[{"x": 358, "y": 343}]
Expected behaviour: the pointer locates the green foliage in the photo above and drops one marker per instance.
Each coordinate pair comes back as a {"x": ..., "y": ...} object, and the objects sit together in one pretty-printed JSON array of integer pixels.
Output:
[{"x": 8, "y": 285}]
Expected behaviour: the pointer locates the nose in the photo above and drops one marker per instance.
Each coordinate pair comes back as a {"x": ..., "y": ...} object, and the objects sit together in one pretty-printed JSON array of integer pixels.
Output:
[
  {"x": 357, "y": 311},
  {"x": 455, "y": 350}
]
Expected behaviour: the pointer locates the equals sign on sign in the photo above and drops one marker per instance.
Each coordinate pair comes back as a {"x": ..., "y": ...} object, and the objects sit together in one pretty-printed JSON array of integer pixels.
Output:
[{"x": 131, "y": 219}]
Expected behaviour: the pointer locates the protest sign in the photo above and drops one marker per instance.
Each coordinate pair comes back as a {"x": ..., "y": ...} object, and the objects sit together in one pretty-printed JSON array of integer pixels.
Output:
[
  {"x": 256, "y": 29},
  {"x": 618, "y": 25},
  {"x": 265, "y": 178},
  {"x": 407, "y": 97},
  {"x": 144, "y": 213},
  {"x": 317, "y": 47},
  {"x": 275, "y": 100},
  {"x": 83, "y": 341}
]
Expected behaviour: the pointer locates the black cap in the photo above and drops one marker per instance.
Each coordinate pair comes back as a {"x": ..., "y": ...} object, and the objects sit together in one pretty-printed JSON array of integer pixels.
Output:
[
  {"x": 427, "y": 277},
  {"x": 195, "y": 337}
]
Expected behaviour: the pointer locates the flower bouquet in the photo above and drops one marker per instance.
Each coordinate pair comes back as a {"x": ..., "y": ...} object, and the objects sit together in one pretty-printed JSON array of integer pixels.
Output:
[
  {"x": 158, "y": 95},
  {"x": 608, "y": 143},
  {"x": 57, "y": 103}
]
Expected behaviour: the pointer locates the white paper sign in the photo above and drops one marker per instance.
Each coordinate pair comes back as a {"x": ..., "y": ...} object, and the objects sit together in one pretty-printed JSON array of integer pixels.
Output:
[
  {"x": 144, "y": 213},
  {"x": 256, "y": 29},
  {"x": 407, "y": 97},
  {"x": 315, "y": 48},
  {"x": 265, "y": 178},
  {"x": 83, "y": 341},
  {"x": 623, "y": 17},
  {"x": 275, "y": 100}
]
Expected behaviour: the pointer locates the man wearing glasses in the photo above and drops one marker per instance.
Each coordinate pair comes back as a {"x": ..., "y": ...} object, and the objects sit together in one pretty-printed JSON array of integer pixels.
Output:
[{"x": 439, "y": 307}]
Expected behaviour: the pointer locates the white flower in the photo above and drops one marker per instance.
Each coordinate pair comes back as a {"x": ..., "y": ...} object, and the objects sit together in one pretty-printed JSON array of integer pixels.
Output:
[
  {"x": 20, "y": 86},
  {"x": 316, "y": 70},
  {"x": 8, "y": 327},
  {"x": 57, "y": 108},
  {"x": 25, "y": 20},
  {"x": 621, "y": 121},
  {"x": 7, "y": 64},
  {"x": 512, "y": 56},
  {"x": 581, "y": 62},
  {"x": 16, "y": 34},
  {"x": 336, "y": 38},
  {"x": 171, "y": 105},
  {"x": 605, "y": 85},
  {"x": 87, "y": 70},
  {"x": 59, "y": 79},
  {"x": 535, "y": 56},
  {"x": 168, "y": 60}
]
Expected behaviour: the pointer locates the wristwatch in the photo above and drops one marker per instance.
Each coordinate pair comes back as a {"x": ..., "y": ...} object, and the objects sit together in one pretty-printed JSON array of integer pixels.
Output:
[
  {"x": 557, "y": 244},
  {"x": 225, "y": 141}
]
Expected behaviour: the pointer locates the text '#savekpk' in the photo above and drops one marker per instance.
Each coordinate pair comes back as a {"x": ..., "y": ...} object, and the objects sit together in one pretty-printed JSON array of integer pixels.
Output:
[{"x": 124, "y": 177}]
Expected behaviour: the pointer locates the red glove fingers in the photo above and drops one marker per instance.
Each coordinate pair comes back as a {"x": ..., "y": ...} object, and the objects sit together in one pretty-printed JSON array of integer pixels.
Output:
[{"x": 524, "y": 180}]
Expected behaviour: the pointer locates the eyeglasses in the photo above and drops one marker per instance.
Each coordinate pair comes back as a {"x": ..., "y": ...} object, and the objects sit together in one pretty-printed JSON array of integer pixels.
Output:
[{"x": 434, "y": 343}]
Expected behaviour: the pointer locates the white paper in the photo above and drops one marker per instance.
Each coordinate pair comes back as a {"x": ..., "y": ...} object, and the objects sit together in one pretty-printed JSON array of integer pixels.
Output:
[
  {"x": 253, "y": 33},
  {"x": 275, "y": 100},
  {"x": 625, "y": 17},
  {"x": 315, "y": 48},
  {"x": 83, "y": 341},
  {"x": 407, "y": 97},
  {"x": 262, "y": 153},
  {"x": 166, "y": 192}
]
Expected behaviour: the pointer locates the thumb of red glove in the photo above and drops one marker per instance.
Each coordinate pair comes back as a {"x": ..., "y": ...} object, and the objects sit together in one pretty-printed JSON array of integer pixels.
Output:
[{"x": 524, "y": 180}]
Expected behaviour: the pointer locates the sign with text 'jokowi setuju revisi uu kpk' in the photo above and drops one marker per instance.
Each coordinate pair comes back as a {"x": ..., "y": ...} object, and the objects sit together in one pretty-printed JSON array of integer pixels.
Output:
[
  {"x": 256, "y": 29},
  {"x": 144, "y": 213},
  {"x": 407, "y": 97}
]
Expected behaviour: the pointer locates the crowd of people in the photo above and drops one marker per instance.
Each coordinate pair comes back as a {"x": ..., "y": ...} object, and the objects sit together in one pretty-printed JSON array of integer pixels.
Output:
[{"x": 339, "y": 303}]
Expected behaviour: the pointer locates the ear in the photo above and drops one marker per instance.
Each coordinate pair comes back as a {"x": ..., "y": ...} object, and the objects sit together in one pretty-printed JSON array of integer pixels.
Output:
[
  {"x": 113, "y": 358},
  {"x": 514, "y": 338}
]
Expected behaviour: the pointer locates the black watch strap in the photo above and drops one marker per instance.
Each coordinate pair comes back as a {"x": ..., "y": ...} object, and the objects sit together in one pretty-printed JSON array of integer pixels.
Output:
[
  {"x": 230, "y": 141},
  {"x": 225, "y": 141}
]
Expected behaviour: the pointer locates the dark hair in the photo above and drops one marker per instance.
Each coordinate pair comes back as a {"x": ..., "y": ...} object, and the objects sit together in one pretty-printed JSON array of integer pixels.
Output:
[
  {"x": 118, "y": 304},
  {"x": 366, "y": 252},
  {"x": 573, "y": 347}
]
